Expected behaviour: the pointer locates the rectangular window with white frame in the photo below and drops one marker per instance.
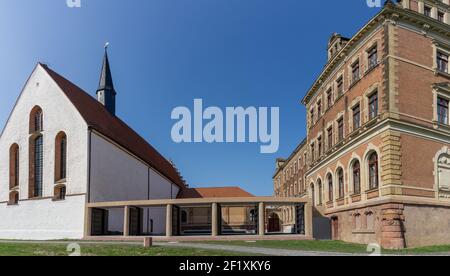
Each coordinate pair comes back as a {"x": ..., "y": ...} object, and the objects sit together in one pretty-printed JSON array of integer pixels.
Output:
[
  {"x": 442, "y": 110},
  {"x": 442, "y": 61}
]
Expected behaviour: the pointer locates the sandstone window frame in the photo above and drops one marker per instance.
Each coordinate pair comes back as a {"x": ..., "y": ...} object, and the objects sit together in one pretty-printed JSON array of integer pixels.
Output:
[
  {"x": 373, "y": 48},
  {"x": 355, "y": 70},
  {"x": 441, "y": 162},
  {"x": 373, "y": 163},
  {"x": 356, "y": 176},
  {"x": 443, "y": 48},
  {"x": 340, "y": 181},
  {"x": 443, "y": 93},
  {"x": 330, "y": 185},
  {"x": 340, "y": 131},
  {"x": 355, "y": 105}
]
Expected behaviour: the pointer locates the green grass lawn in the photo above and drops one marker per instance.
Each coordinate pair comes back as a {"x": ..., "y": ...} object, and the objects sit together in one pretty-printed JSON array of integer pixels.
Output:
[
  {"x": 335, "y": 246},
  {"x": 49, "y": 249}
]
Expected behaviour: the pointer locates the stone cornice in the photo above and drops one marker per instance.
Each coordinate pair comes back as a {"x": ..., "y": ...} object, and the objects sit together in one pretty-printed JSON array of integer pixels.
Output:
[{"x": 389, "y": 12}]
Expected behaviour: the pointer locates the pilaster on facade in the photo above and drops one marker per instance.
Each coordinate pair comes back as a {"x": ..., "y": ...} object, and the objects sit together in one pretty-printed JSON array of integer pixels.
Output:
[
  {"x": 391, "y": 163},
  {"x": 390, "y": 100}
]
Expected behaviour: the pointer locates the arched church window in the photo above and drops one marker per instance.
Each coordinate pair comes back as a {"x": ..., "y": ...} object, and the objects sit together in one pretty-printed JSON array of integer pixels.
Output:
[
  {"x": 38, "y": 164},
  {"x": 36, "y": 120},
  {"x": 14, "y": 166},
  {"x": 60, "y": 157}
]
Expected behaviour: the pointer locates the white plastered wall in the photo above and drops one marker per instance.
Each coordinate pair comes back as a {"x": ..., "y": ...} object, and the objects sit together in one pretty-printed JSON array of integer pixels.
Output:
[
  {"x": 44, "y": 219},
  {"x": 117, "y": 175}
]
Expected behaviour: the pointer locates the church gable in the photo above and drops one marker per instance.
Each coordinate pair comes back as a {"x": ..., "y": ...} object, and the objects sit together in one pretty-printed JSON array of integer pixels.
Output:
[{"x": 41, "y": 95}]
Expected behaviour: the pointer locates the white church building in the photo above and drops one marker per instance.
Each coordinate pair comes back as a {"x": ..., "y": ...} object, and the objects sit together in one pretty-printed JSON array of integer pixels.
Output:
[{"x": 62, "y": 148}]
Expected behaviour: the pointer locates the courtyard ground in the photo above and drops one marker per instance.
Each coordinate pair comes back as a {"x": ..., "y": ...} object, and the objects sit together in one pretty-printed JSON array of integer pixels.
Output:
[{"x": 234, "y": 248}]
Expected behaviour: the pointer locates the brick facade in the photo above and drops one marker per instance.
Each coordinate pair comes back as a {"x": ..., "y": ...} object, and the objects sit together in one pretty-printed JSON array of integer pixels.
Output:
[{"x": 386, "y": 130}]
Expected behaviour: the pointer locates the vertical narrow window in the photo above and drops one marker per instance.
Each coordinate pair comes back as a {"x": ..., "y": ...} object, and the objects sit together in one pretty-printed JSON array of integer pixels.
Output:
[
  {"x": 341, "y": 129},
  {"x": 319, "y": 187},
  {"x": 372, "y": 56},
  {"x": 319, "y": 145},
  {"x": 356, "y": 177},
  {"x": 329, "y": 99},
  {"x": 442, "y": 62},
  {"x": 373, "y": 105},
  {"x": 340, "y": 86},
  {"x": 373, "y": 171},
  {"x": 312, "y": 116},
  {"x": 330, "y": 137},
  {"x": 313, "y": 154},
  {"x": 60, "y": 157},
  {"x": 330, "y": 188},
  {"x": 63, "y": 161},
  {"x": 341, "y": 183},
  {"x": 356, "y": 117},
  {"x": 355, "y": 72},
  {"x": 443, "y": 111},
  {"x": 38, "y": 166},
  {"x": 14, "y": 166},
  {"x": 319, "y": 109}
]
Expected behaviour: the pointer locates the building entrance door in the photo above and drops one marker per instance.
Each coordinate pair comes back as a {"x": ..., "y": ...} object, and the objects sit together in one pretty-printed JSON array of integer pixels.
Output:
[
  {"x": 335, "y": 228},
  {"x": 274, "y": 223}
]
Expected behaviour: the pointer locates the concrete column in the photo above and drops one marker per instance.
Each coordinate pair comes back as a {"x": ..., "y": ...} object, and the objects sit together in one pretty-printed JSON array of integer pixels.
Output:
[
  {"x": 169, "y": 229},
  {"x": 214, "y": 220},
  {"x": 261, "y": 219},
  {"x": 126, "y": 221},
  {"x": 88, "y": 222},
  {"x": 308, "y": 220}
]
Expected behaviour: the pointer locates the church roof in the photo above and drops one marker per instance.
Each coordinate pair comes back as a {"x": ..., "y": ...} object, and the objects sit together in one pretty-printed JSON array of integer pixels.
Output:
[
  {"x": 99, "y": 119},
  {"x": 222, "y": 192}
]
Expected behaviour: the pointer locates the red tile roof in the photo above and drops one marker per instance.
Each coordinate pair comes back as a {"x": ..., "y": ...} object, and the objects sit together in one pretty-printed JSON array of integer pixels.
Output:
[
  {"x": 223, "y": 192},
  {"x": 99, "y": 119}
]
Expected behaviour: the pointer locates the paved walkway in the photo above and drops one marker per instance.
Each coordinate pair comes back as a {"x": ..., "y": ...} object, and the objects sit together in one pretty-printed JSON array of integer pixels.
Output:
[{"x": 253, "y": 250}]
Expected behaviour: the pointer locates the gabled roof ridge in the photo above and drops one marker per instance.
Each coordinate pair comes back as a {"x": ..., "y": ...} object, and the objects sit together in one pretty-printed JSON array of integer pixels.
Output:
[{"x": 100, "y": 119}]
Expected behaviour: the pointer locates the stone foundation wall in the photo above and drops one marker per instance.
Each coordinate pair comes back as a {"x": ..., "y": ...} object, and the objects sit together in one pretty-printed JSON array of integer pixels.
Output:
[{"x": 426, "y": 225}]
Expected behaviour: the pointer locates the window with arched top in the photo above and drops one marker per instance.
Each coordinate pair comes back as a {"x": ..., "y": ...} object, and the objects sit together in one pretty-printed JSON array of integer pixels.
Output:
[
  {"x": 370, "y": 217},
  {"x": 36, "y": 166},
  {"x": 13, "y": 166},
  {"x": 341, "y": 183},
  {"x": 60, "y": 157},
  {"x": 373, "y": 171},
  {"x": 357, "y": 222},
  {"x": 319, "y": 188},
  {"x": 36, "y": 120},
  {"x": 356, "y": 177},
  {"x": 330, "y": 188}
]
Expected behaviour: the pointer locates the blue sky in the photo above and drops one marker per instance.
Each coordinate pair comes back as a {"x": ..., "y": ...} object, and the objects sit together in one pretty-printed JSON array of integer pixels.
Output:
[{"x": 166, "y": 53}]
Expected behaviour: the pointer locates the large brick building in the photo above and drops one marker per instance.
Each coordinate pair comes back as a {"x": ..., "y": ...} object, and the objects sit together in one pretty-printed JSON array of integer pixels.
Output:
[{"x": 376, "y": 160}]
